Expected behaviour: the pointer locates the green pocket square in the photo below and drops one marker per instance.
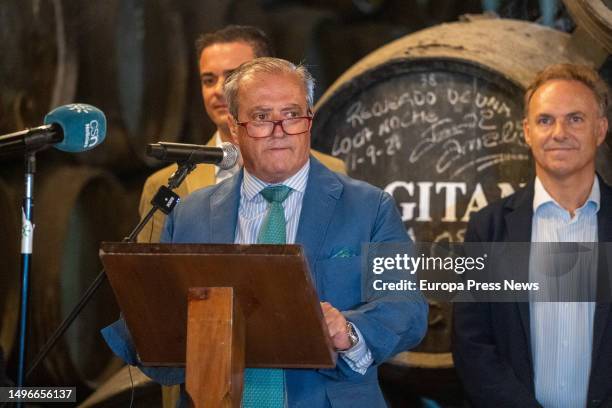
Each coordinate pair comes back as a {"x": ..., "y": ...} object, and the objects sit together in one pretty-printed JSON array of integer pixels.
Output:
[{"x": 343, "y": 253}]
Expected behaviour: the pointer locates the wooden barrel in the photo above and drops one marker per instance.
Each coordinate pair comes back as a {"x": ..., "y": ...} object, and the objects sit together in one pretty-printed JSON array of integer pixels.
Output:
[
  {"x": 9, "y": 267},
  {"x": 593, "y": 38},
  {"x": 39, "y": 65},
  {"x": 595, "y": 18},
  {"x": 76, "y": 209},
  {"x": 133, "y": 62},
  {"x": 434, "y": 118},
  {"x": 343, "y": 43},
  {"x": 303, "y": 25}
]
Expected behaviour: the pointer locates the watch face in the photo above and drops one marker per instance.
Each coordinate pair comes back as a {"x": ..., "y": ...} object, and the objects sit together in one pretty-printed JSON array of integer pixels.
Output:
[{"x": 352, "y": 334}]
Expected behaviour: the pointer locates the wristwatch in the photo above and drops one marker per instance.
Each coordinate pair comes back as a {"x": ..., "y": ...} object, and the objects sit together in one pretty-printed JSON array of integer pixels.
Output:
[{"x": 352, "y": 335}]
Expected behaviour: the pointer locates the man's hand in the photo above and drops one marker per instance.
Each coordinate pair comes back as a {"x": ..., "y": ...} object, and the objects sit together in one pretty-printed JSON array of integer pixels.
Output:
[{"x": 336, "y": 325}]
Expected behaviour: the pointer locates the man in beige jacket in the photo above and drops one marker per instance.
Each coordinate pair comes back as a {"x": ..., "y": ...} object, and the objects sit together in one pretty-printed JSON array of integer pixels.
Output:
[{"x": 220, "y": 53}]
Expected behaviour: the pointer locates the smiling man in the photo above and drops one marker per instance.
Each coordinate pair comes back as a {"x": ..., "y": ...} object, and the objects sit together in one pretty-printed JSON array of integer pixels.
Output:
[
  {"x": 565, "y": 124},
  {"x": 219, "y": 53},
  {"x": 546, "y": 354}
]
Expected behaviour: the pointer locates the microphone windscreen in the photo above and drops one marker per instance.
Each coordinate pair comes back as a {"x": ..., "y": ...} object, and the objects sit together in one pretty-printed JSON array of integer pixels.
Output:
[
  {"x": 84, "y": 126},
  {"x": 230, "y": 156}
]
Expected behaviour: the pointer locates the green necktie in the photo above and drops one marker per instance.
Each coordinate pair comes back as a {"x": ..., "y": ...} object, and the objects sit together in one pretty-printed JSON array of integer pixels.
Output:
[
  {"x": 274, "y": 227},
  {"x": 265, "y": 387}
]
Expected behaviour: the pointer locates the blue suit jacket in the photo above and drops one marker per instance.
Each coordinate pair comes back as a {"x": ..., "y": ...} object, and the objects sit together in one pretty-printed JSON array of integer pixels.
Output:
[
  {"x": 338, "y": 215},
  {"x": 492, "y": 341}
]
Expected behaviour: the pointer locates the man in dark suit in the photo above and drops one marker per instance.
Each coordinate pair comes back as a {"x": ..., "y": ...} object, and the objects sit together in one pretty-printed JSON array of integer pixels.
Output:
[
  {"x": 550, "y": 354},
  {"x": 285, "y": 195}
]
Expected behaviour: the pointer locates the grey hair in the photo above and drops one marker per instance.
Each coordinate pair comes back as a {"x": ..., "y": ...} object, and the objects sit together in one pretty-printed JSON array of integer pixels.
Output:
[{"x": 265, "y": 65}]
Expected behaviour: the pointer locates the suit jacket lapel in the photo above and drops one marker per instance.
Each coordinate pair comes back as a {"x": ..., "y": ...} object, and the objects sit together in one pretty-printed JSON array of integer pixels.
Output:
[
  {"x": 519, "y": 215},
  {"x": 518, "y": 224},
  {"x": 224, "y": 210},
  {"x": 322, "y": 192},
  {"x": 604, "y": 232}
]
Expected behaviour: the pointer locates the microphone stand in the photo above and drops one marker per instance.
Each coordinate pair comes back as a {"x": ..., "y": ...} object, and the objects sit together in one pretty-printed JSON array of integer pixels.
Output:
[
  {"x": 27, "y": 238},
  {"x": 165, "y": 200}
]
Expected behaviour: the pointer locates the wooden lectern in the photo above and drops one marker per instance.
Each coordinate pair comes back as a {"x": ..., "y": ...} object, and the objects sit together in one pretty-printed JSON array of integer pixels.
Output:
[{"x": 218, "y": 308}]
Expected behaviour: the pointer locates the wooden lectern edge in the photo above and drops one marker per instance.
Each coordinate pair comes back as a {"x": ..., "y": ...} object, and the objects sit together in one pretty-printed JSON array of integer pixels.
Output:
[{"x": 114, "y": 248}]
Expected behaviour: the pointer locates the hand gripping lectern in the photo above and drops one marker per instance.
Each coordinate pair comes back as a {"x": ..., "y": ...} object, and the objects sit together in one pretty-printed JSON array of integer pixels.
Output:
[{"x": 218, "y": 308}]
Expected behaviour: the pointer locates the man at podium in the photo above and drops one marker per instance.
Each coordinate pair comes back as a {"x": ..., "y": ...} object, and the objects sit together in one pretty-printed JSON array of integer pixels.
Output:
[
  {"x": 219, "y": 52},
  {"x": 285, "y": 195}
]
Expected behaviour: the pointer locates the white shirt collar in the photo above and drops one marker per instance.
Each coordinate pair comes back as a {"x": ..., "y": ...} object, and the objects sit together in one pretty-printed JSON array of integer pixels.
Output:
[
  {"x": 251, "y": 185},
  {"x": 541, "y": 196}
]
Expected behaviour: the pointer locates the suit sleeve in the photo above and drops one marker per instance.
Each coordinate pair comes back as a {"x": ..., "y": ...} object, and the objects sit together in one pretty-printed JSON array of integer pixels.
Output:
[
  {"x": 119, "y": 340},
  {"x": 488, "y": 380},
  {"x": 389, "y": 324}
]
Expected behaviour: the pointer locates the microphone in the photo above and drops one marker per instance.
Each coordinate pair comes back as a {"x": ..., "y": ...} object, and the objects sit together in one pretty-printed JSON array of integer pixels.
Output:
[
  {"x": 71, "y": 128},
  {"x": 225, "y": 157}
]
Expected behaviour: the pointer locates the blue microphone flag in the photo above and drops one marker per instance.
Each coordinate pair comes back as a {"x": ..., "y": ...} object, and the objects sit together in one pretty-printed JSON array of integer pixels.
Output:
[{"x": 83, "y": 126}]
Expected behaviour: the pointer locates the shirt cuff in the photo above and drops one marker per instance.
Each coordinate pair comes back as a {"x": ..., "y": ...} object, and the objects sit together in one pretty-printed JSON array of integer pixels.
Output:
[{"x": 358, "y": 357}]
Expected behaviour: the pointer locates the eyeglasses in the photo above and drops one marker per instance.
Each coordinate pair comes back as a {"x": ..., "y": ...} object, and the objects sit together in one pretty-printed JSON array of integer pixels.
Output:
[{"x": 265, "y": 128}]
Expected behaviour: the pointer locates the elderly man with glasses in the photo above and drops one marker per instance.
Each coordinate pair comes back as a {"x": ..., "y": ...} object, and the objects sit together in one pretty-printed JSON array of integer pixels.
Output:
[
  {"x": 285, "y": 195},
  {"x": 219, "y": 53}
]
